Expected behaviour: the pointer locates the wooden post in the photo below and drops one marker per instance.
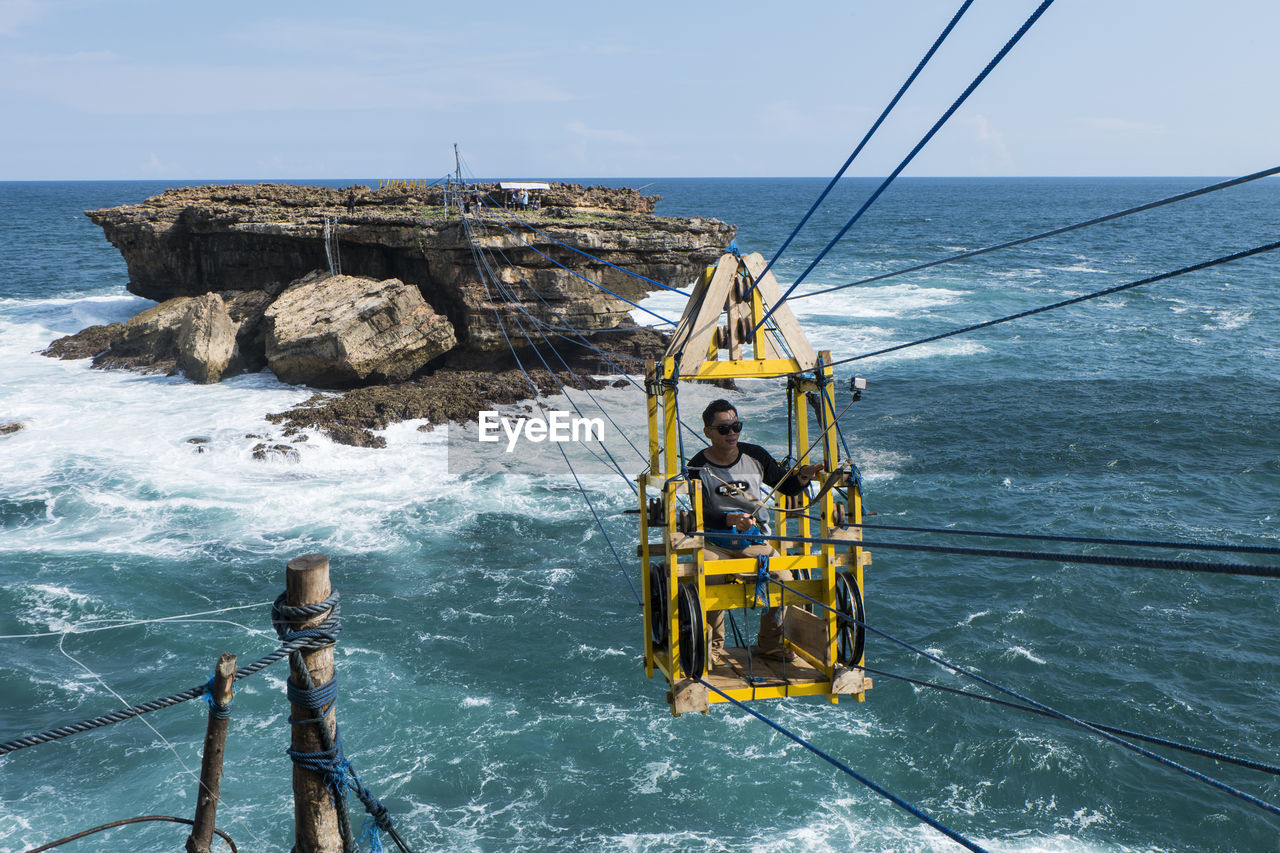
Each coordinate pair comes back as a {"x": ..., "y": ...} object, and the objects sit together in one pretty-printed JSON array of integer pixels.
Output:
[
  {"x": 215, "y": 742},
  {"x": 314, "y": 815}
]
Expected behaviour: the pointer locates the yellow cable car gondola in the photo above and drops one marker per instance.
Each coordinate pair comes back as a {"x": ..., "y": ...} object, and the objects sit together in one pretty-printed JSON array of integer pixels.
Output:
[{"x": 682, "y": 581}]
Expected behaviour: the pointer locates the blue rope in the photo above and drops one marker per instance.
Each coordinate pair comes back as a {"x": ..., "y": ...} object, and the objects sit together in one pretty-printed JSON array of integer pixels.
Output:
[
  {"x": 1159, "y": 741},
  {"x": 826, "y": 395},
  {"x": 1269, "y": 247},
  {"x": 1089, "y": 540},
  {"x": 1240, "y": 569},
  {"x": 735, "y": 540},
  {"x": 512, "y": 302},
  {"x": 1052, "y": 712},
  {"x": 313, "y": 698},
  {"x": 1053, "y": 233},
  {"x": 340, "y": 776},
  {"x": 534, "y": 389},
  {"x": 865, "y": 139},
  {"x": 844, "y": 768},
  {"x": 911, "y": 156},
  {"x": 762, "y": 580},
  {"x": 510, "y": 213},
  {"x": 216, "y": 709},
  {"x": 330, "y": 761},
  {"x": 587, "y": 280}
]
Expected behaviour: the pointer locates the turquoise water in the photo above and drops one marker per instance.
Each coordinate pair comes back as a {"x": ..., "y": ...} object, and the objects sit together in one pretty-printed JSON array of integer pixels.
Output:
[{"x": 492, "y": 691}]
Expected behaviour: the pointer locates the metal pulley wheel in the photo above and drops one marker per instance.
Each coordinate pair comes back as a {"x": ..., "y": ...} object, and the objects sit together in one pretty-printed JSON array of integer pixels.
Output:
[
  {"x": 685, "y": 521},
  {"x": 659, "y": 618},
  {"x": 850, "y": 636},
  {"x": 655, "y": 512},
  {"x": 693, "y": 633}
]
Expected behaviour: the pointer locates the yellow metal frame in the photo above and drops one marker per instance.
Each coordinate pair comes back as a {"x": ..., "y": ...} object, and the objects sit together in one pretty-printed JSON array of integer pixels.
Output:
[{"x": 682, "y": 556}]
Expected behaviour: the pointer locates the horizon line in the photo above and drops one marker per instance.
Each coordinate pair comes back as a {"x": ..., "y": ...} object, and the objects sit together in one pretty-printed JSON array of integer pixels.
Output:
[{"x": 567, "y": 178}]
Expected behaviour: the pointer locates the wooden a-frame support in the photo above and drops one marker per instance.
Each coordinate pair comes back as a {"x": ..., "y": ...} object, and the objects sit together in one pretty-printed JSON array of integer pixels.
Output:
[{"x": 723, "y": 314}]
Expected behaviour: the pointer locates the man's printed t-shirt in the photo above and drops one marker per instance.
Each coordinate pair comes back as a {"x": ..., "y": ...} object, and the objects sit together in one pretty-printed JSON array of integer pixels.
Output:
[{"x": 736, "y": 487}]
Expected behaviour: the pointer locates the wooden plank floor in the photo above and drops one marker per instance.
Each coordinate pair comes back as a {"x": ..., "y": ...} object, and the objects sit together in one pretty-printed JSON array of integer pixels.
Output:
[{"x": 737, "y": 663}]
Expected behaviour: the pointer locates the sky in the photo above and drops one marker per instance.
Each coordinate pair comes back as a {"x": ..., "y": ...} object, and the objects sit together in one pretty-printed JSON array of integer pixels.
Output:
[{"x": 136, "y": 89}]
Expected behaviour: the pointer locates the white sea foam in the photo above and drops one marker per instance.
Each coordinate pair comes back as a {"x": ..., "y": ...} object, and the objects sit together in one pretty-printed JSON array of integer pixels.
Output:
[
  {"x": 895, "y": 300},
  {"x": 109, "y": 452},
  {"x": 1019, "y": 651},
  {"x": 866, "y": 302},
  {"x": 1228, "y": 318},
  {"x": 1077, "y": 268},
  {"x": 950, "y": 348}
]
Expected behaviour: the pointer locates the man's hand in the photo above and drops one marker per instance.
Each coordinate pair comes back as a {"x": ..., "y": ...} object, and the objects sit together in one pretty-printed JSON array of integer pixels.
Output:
[
  {"x": 808, "y": 472},
  {"x": 739, "y": 521}
]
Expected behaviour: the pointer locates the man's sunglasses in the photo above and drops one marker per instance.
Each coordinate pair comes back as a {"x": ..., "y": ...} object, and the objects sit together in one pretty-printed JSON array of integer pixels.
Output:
[{"x": 725, "y": 429}]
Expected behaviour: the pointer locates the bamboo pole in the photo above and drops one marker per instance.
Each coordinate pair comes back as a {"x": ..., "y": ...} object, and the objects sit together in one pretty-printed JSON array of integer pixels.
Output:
[
  {"x": 314, "y": 813},
  {"x": 215, "y": 743}
]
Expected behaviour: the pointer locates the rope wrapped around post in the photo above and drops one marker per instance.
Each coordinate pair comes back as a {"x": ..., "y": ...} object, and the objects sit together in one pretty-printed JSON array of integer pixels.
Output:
[{"x": 329, "y": 761}]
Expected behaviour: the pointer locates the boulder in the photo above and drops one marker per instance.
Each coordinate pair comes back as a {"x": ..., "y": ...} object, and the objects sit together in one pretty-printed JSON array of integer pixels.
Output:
[
  {"x": 85, "y": 343},
  {"x": 149, "y": 341},
  {"x": 10, "y": 427},
  {"x": 206, "y": 340},
  {"x": 205, "y": 337},
  {"x": 336, "y": 331}
]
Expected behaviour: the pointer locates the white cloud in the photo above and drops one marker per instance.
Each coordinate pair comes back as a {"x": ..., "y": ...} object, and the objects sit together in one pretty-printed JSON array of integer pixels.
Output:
[
  {"x": 993, "y": 155},
  {"x": 620, "y": 137},
  {"x": 153, "y": 166}
]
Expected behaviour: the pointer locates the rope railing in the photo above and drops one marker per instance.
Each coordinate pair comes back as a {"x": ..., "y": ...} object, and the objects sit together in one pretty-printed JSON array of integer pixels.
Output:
[{"x": 317, "y": 639}]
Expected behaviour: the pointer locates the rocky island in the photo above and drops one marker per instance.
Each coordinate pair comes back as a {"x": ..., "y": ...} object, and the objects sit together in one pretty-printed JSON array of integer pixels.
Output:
[{"x": 391, "y": 297}]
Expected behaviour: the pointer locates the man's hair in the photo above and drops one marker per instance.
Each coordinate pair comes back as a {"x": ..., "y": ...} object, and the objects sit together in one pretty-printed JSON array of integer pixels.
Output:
[{"x": 715, "y": 408}]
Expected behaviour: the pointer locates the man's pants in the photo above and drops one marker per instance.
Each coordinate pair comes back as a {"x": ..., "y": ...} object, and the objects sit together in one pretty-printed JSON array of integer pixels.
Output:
[{"x": 770, "y": 637}]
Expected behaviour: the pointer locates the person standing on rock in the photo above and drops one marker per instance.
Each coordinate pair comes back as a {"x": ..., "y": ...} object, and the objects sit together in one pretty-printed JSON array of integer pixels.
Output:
[
  {"x": 351, "y": 201},
  {"x": 733, "y": 476}
]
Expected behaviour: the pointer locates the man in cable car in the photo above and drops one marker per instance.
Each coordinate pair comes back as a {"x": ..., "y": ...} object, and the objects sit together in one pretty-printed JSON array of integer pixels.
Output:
[{"x": 733, "y": 476}]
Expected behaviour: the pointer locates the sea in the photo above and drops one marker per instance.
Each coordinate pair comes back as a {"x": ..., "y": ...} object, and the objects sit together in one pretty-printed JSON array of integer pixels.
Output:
[{"x": 491, "y": 687}]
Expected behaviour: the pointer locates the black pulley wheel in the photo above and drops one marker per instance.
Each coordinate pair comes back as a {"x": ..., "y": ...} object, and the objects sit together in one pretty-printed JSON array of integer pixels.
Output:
[
  {"x": 850, "y": 636},
  {"x": 693, "y": 634},
  {"x": 659, "y": 618}
]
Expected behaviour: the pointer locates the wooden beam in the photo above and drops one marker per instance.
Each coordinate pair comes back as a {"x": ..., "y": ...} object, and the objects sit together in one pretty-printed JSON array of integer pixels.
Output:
[
  {"x": 215, "y": 745},
  {"x": 693, "y": 334},
  {"x": 782, "y": 317}
]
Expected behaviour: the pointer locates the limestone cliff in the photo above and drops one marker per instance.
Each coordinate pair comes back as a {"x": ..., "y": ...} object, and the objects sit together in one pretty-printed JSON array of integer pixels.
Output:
[
  {"x": 404, "y": 324},
  {"x": 197, "y": 240}
]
